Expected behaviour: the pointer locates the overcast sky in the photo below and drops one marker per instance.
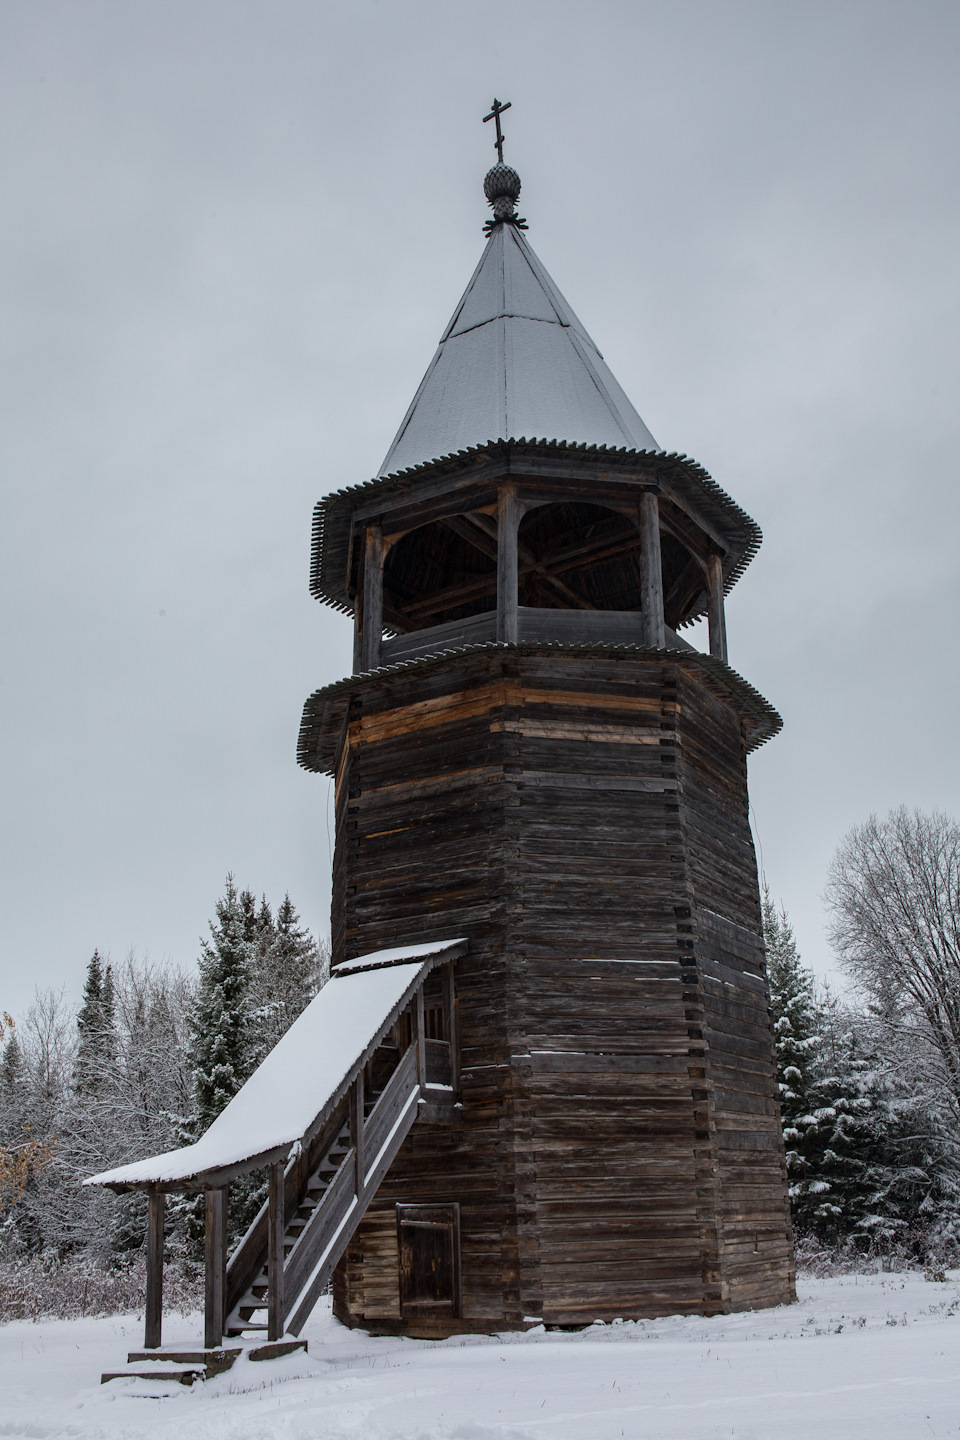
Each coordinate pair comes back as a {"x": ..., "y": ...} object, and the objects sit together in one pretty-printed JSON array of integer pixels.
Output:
[{"x": 231, "y": 236}]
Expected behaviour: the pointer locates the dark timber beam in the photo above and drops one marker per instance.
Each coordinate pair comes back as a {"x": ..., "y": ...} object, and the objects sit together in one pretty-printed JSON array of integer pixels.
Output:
[
  {"x": 528, "y": 563},
  {"x": 716, "y": 621},
  {"x": 372, "y": 627},
  {"x": 153, "y": 1310},
  {"x": 358, "y": 622},
  {"x": 214, "y": 1265},
  {"x": 651, "y": 573},
  {"x": 508, "y": 522},
  {"x": 276, "y": 1222},
  {"x": 463, "y": 526}
]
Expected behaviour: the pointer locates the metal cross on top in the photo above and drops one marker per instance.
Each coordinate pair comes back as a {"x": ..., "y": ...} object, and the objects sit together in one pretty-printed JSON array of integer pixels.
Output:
[{"x": 496, "y": 110}]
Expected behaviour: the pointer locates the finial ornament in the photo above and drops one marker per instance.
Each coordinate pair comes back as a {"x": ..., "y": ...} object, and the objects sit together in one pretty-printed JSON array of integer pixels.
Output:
[
  {"x": 496, "y": 110},
  {"x": 501, "y": 185}
]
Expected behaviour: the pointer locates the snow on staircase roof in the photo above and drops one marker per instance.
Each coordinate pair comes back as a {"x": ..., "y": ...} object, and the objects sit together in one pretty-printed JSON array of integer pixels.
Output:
[
  {"x": 305, "y": 1073},
  {"x": 514, "y": 362}
]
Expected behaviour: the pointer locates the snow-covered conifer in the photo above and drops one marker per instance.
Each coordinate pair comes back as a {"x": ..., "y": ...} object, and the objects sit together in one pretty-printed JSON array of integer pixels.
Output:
[
  {"x": 290, "y": 969},
  {"x": 796, "y": 1028},
  {"x": 220, "y": 1039}
]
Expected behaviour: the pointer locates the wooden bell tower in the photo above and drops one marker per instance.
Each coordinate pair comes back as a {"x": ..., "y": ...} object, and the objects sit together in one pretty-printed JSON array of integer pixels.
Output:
[{"x": 531, "y": 756}]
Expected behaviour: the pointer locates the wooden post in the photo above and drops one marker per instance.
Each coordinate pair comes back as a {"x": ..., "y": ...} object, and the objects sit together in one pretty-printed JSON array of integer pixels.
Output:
[
  {"x": 214, "y": 1264},
  {"x": 357, "y": 636},
  {"x": 420, "y": 1040},
  {"x": 358, "y": 616},
  {"x": 153, "y": 1317},
  {"x": 508, "y": 522},
  {"x": 372, "y": 633},
  {"x": 651, "y": 574},
  {"x": 276, "y": 1224},
  {"x": 450, "y": 1013},
  {"x": 716, "y": 621},
  {"x": 356, "y": 1126}
]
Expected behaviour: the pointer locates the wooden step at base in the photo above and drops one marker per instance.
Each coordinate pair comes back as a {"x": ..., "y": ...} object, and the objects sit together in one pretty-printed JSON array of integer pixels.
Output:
[
  {"x": 165, "y": 1374},
  {"x": 213, "y": 1362},
  {"x": 187, "y": 1366},
  {"x": 273, "y": 1349}
]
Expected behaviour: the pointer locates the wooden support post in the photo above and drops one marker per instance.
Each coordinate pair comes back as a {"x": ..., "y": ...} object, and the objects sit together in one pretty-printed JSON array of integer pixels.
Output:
[
  {"x": 716, "y": 621},
  {"x": 358, "y": 636},
  {"x": 214, "y": 1264},
  {"x": 651, "y": 574},
  {"x": 357, "y": 1123},
  {"x": 420, "y": 1040},
  {"x": 372, "y": 633},
  {"x": 276, "y": 1225},
  {"x": 450, "y": 1015},
  {"x": 153, "y": 1316},
  {"x": 508, "y": 522},
  {"x": 358, "y": 618}
]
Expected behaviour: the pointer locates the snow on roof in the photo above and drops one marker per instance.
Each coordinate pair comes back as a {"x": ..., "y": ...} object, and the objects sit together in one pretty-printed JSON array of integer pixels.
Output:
[
  {"x": 304, "y": 1072},
  {"x": 377, "y": 958},
  {"x": 514, "y": 362}
]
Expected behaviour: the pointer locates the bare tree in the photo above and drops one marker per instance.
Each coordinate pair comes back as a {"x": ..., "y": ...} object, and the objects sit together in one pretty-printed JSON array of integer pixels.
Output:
[{"x": 894, "y": 895}]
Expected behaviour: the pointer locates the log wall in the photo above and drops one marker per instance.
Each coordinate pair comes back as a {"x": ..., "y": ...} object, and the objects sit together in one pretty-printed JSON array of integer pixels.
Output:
[{"x": 584, "y": 822}]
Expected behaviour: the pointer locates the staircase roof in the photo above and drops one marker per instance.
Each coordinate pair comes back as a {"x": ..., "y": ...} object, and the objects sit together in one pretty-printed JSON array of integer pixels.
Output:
[
  {"x": 514, "y": 362},
  {"x": 305, "y": 1075}
]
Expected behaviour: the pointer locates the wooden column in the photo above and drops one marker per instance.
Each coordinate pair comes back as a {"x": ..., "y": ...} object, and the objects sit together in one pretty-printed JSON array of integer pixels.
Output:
[
  {"x": 372, "y": 631},
  {"x": 508, "y": 521},
  {"x": 651, "y": 575},
  {"x": 215, "y": 1265},
  {"x": 153, "y": 1316},
  {"x": 420, "y": 1040},
  {"x": 356, "y": 1128},
  {"x": 358, "y": 617},
  {"x": 450, "y": 1013},
  {"x": 716, "y": 621},
  {"x": 276, "y": 1224}
]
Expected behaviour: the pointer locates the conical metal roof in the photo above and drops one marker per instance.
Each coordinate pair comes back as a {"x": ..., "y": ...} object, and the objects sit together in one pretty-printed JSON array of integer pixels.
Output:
[{"x": 514, "y": 362}]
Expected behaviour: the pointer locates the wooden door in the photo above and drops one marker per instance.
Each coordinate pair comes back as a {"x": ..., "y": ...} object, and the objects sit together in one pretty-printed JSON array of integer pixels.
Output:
[{"x": 429, "y": 1241}]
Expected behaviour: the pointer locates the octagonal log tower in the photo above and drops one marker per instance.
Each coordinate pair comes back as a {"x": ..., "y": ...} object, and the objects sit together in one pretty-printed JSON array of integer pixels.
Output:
[{"x": 529, "y": 755}]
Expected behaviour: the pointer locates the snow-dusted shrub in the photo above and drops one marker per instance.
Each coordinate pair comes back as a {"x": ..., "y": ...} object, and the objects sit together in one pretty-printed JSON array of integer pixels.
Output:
[
  {"x": 45, "y": 1288},
  {"x": 914, "y": 1248}
]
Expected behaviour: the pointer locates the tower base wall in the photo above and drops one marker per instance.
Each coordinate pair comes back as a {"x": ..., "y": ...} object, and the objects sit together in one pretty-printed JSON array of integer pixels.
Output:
[{"x": 616, "y": 1151}]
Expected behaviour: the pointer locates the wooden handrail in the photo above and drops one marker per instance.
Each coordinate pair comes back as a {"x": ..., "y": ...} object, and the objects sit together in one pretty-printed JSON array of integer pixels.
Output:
[{"x": 297, "y": 1279}]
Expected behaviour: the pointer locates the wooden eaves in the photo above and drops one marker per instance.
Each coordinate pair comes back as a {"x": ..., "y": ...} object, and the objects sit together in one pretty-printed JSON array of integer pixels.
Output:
[
  {"x": 325, "y": 712},
  {"x": 675, "y": 476}
]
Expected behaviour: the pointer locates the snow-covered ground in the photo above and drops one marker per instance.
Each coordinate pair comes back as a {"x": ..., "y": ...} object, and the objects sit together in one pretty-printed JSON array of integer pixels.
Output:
[{"x": 859, "y": 1358}]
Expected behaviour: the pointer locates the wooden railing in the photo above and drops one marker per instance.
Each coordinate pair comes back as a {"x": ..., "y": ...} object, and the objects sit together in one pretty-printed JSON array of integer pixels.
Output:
[
  {"x": 327, "y": 1233},
  {"x": 247, "y": 1258},
  {"x": 283, "y": 1263},
  {"x": 571, "y": 627}
]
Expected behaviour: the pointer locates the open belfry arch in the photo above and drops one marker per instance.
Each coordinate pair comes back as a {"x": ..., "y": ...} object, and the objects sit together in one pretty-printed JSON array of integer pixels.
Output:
[{"x": 529, "y": 757}]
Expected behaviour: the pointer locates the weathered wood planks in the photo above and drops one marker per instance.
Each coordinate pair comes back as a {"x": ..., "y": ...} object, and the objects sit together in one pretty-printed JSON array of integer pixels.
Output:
[{"x": 584, "y": 821}]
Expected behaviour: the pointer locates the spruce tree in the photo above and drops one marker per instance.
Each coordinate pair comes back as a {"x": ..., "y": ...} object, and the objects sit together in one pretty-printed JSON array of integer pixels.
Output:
[
  {"x": 796, "y": 1028},
  {"x": 96, "y": 1029},
  {"x": 842, "y": 1199},
  {"x": 220, "y": 1038}
]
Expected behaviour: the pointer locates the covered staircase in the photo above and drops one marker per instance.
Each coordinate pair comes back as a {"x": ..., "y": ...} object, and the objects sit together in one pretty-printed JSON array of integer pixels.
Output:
[{"x": 326, "y": 1113}]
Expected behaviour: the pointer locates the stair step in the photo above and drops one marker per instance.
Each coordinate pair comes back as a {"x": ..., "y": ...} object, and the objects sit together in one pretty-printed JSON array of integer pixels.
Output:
[{"x": 179, "y": 1373}]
